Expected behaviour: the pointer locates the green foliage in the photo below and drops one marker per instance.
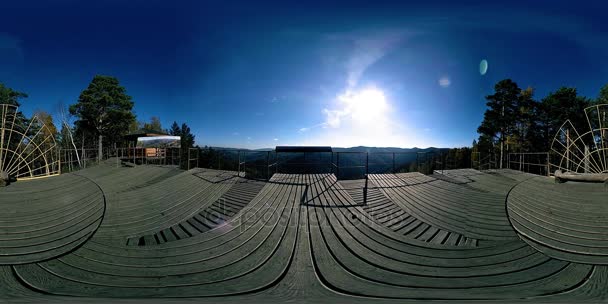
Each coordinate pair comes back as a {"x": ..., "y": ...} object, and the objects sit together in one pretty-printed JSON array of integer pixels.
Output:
[
  {"x": 104, "y": 108},
  {"x": 559, "y": 106},
  {"x": 187, "y": 136},
  {"x": 187, "y": 141},
  {"x": 154, "y": 125},
  {"x": 522, "y": 124},
  {"x": 10, "y": 96},
  {"x": 175, "y": 129},
  {"x": 603, "y": 97},
  {"x": 499, "y": 118}
]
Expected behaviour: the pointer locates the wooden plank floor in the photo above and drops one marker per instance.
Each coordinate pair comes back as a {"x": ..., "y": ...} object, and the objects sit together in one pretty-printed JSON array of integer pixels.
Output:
[
  {"x": 42, "y": 219},
  {"x": 230, "y": 203},
  {"x": 566, "y": 221},
  {"x": 477, "y": 215},
  {"x": 389, "y": 214},
  {"x": 307, "y": 238}
]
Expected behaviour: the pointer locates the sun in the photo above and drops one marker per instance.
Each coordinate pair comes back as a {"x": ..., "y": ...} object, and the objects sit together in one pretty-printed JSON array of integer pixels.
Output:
[{"x": 366, "y": 105}]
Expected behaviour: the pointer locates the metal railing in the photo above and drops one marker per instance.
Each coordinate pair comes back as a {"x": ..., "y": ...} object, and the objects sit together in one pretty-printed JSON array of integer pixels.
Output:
[
  {"x": 531, "y": 162},
  {"x": 344, "y": 164},
  {"x": 484, "y": 161},
  {"x": 76, "y": 159}
]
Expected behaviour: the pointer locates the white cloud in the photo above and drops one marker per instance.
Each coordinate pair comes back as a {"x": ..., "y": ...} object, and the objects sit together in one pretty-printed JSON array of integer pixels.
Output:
[
  {"x": 368, "y": 49},
  {"x": 304, "y": 129},
  {"x": 444, "y": 81},
  {"x": 276, "y": 139},
  {"x": 333, "y": 118}
]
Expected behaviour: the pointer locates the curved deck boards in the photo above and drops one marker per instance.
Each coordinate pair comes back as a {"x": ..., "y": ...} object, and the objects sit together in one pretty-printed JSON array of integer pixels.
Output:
[
  {"x": 565, "y": 221},
  {"x": 473, "y": 214},
  {"x": 353, "y": 257},
  {"x": 49, "y": 221},
  {"x": 309, "y": 238},
  {"x": 389, "y": 214},
  {"x": 221, "y": 211}
]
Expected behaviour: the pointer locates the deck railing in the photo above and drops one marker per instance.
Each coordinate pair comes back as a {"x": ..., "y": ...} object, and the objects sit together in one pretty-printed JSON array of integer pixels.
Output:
[
  {"x": 531, "y": 162},
  {"x": 344, "y": 164}
]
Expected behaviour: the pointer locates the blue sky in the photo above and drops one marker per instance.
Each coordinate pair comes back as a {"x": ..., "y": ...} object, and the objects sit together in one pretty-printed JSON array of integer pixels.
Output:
[{"x": 245, "y": 74}]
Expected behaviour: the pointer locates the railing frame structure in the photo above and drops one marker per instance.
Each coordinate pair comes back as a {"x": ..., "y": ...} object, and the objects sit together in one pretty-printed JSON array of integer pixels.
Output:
[
  {"x": 485, "y": 161},
  {"x": 268, "y": 162},
  {"x": 88, "y": 156},
  {"x": 517, "y": 161},
  {"x": 28, "y": 149}
]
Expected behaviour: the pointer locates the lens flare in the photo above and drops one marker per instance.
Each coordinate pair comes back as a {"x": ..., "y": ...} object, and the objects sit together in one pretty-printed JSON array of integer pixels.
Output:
[{"x": 483, "y": 67}]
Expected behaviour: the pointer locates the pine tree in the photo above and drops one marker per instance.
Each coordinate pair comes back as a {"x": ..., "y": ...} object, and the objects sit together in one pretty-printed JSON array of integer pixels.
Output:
[{"x": 104, "y": 109}]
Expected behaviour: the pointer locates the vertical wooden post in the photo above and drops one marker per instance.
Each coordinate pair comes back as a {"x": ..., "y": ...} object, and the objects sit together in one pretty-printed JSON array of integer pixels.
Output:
[
  {"x": 239, "y": 162},
  {"x": 366, "y": 164},
  {"x": 267, "y": 165},
  {"x": 337, "y": 165},
  {"x": 393, "y": 162},
  {"x": 548, "y": 164},
  {"x": 587, "y": 158},
  {"x": 568, "y": 150},
  {"x": 188, "y": 158},
  {"x": 365, "y": 192}
]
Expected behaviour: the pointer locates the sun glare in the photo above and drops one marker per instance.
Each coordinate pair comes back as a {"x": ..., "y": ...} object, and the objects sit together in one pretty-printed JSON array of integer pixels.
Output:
[{"x": 366, "y": 105}]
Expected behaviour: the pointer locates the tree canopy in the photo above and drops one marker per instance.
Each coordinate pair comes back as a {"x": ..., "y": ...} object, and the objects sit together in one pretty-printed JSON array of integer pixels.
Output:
[
  {"x": 517, "y": 122},
  {"x": 105, "y": 109},
  {"x": 153, "y": 125},
  {"x": 10, "y": 96},
  {"x": 187, "y": 140}
]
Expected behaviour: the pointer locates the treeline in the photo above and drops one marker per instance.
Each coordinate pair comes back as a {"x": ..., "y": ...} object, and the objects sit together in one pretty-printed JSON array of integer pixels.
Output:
[
  {"x": 516, "y": 121},
  {"x": 99, "y": 119}
]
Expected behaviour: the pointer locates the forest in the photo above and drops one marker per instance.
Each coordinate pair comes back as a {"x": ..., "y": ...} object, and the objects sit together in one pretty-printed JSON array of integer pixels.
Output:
[{"x": 517, "y": 122}]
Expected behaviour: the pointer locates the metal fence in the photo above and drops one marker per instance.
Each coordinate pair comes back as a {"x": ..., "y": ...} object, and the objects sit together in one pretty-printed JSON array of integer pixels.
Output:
[
  {"x": 531, "y": 162},
  {"x": 345, "y": 164},
  {"x": 77, "y": 159}
]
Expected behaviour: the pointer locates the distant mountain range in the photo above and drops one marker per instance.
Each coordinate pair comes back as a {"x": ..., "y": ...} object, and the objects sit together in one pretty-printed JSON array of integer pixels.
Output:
[{"x": 355, "y": 149}]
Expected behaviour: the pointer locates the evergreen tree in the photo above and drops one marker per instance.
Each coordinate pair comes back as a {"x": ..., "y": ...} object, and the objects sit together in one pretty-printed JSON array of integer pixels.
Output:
[
  {"x": 603, "y": 96},
  {"x": 500, "y": 118},
  {"x": 175, "y": 129},
  {"x": 559, "y": 106},
  {"x": 105, "y": 110},
  {"x": 154, "y": 125}
]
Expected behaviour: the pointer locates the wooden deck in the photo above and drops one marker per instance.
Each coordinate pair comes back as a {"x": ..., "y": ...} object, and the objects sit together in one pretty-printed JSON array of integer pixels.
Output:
[{"x": 204, "y": 235}]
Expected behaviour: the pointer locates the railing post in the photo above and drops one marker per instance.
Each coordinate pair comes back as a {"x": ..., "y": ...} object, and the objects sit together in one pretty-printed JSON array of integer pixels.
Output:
[
  {"x": 366, "y": 164},
  {"x": 548, "y": 165},
  {"x": 337, "y": 165},
  {"x": 188, "y": 158},
  {"x": 238, "y": 164},
  {"x": 365, "y": 192},
  {"x": 267, "y": 165},
  {"x": 393, "y": 162}
]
